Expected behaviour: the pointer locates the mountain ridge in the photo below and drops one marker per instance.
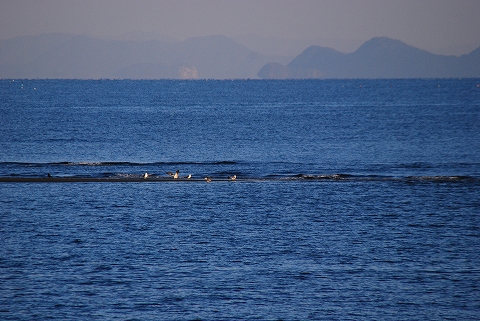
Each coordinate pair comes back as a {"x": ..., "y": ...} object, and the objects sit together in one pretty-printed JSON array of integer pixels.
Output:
[
  {"x": 78, "y": 56},
  {"x": 379, "y": 57},
  {"x": 62, "y": 56}
]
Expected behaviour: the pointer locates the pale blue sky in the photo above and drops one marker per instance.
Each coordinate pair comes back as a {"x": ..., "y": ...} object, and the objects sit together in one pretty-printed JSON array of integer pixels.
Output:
[{"x": 441, "y": 26}]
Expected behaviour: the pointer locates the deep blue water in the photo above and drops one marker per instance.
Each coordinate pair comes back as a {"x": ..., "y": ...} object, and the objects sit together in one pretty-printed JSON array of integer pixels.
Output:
[{"x": 355, "y": 200}]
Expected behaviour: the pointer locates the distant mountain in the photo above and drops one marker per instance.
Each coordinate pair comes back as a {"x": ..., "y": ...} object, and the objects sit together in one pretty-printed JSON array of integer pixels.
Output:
[
  {"x": 377, "y": 58},
  {"x": 290, "y": 48},
  {"x": 83, "y": 57}
]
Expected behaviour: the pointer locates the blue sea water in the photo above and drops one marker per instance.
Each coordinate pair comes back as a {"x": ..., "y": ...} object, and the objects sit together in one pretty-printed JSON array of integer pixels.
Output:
[{"x": 354, "y": 200}]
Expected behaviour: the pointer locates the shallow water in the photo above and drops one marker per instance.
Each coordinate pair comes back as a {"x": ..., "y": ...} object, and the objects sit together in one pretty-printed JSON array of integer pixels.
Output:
[{"x": 351, "y": 203}]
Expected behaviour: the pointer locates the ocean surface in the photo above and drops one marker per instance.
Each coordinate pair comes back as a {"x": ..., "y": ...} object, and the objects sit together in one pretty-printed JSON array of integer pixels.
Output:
[{"x": 354, "y": 200}]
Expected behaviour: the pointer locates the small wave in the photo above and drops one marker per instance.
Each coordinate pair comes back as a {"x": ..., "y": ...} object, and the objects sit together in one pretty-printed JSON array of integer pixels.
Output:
[
  {"x": 326, "y": 177},
  {"x": 415, "y": 165},
  {"x": 440, "y": 178},
  {"x": 349, "y": 177},
  {"x": 130, "y": 164}
]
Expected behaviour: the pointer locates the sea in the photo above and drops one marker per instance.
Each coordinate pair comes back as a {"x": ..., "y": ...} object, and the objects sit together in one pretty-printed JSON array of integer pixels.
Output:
[{"x": 353, "y": 200}]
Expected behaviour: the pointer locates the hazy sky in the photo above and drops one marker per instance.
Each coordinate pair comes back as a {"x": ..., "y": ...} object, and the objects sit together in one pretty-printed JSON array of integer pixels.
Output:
[{"x": 433, "y": 25}]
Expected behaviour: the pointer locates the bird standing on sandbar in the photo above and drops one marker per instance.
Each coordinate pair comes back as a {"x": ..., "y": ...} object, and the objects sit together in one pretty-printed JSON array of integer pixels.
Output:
[
  {"x": 174, "y": 175},
  {"x": 208, "y": 179},
  {"x": 234, "y": 177},
  {"x": 145, "y": 176}
]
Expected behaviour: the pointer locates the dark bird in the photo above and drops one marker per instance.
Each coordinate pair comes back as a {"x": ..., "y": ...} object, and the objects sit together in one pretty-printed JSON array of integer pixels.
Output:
[{"x": 174, "y": 175}]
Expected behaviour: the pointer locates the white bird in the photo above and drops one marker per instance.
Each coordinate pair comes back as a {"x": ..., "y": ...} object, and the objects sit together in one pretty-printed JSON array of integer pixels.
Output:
[
  {"x": 145, "y": 176},
  {"x": 174, "y": 175},
  {"x": 189, "y": 176},
  {"x": 234, "y": 177},
  {"x": 208, "y": 179}
]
